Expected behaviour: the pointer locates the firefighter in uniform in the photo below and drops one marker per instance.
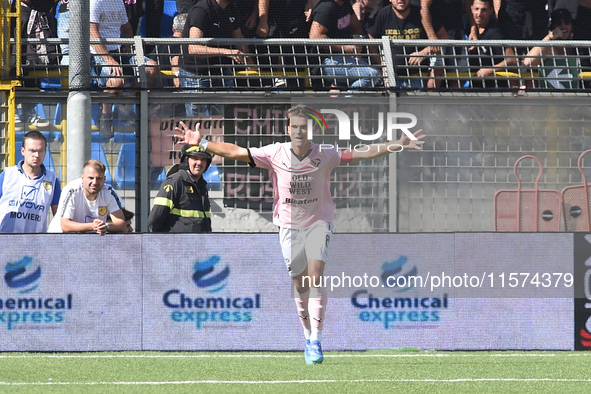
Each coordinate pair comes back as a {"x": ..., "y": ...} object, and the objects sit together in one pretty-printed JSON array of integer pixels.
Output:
[{"x": 182, "y": 204}]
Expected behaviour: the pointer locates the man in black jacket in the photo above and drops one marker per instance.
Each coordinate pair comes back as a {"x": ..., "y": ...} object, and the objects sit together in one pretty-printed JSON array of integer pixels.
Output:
[{"x": 182, "y": 204}]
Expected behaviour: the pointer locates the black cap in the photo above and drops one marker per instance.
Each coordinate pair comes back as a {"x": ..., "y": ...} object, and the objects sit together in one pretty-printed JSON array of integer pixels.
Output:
[{"x": 559, "y": 15}]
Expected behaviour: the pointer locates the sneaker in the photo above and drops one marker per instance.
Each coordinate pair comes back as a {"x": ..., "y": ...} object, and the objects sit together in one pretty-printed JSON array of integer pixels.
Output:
[
  {"x": 38, "y": 121},
  {"x": 307, "y": 353},
  {"x": 18, "y": 123},
  {"x": 279, "y": 83},
  {"x": 106, "y": 127},
  {"x": 315, "y": 353}
]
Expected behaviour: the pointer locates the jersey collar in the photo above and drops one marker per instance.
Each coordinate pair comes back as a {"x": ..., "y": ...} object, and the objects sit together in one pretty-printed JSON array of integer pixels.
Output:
[{"x": 20, "y": 168}]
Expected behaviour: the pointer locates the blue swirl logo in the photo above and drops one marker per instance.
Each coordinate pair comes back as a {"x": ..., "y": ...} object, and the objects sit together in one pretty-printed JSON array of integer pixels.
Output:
[
  {"x": 395, "y": 268},
  {"x": 21, "y": 275},
  {"x": 207, "y": 277}
]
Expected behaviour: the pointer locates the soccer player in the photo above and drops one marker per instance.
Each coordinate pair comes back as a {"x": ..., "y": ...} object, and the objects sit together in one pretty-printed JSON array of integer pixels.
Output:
[
  {"x": 305, "y": 215},
  {"x": 28, "y": 189},
  {"x": 86, "y": 203}
]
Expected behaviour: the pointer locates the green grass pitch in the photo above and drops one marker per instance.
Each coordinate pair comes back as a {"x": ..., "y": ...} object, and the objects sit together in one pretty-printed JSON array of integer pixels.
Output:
[{"x": 259, "y": 372}]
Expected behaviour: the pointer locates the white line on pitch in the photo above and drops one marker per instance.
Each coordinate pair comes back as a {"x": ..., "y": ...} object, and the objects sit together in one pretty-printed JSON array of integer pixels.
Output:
[
  {"x": 476, "y": 354},
  {"x": 187, "y": 382}
]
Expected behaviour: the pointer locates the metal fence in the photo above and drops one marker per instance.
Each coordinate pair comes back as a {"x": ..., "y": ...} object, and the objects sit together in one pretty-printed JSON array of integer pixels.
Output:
[
  {"x": 475, "y": 137},
  {"x": 384, "y": 64}
]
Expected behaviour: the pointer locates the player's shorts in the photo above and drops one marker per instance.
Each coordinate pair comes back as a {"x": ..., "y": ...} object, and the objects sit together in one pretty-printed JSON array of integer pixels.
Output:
[{"x": 300, "y": 246}]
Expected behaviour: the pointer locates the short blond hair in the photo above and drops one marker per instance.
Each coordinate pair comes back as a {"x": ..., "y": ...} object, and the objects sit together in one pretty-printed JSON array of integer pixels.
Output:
[{"x": 97, "y": 165}]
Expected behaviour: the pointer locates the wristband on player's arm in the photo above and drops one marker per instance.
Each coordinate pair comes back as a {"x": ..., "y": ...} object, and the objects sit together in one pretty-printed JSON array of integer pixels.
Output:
[{"x": 203, "y": 143}]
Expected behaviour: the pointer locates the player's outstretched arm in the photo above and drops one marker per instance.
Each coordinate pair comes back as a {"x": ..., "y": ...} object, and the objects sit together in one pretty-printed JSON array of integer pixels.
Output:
[
  {"x": 185, "y": 135},
  {"x": 385, "y": 148}
]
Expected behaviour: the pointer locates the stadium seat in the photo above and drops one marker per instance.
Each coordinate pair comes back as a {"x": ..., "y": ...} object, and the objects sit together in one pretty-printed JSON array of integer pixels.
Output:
[
  {"x": 168, "y": 14},
  {"x": 98, "y": 153},
  {"x": 126, "y": 169},
  {"x": 19, "y": 135},
  {"x": 213, "y": 178}
]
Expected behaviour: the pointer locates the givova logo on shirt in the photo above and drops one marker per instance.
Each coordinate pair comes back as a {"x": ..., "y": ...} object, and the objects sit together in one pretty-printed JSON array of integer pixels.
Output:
[
  {"x": 221, "y": 308},
  {"x": 28, "y": 310}
]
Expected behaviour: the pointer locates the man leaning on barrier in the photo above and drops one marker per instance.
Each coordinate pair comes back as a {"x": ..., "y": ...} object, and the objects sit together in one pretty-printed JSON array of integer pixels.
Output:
[
  {"x": 486, "y": 61},
  {"x": 402, "y": 21},
  {"x": 206, "y": 66},
  {"x": 87, "y": 202},
  {"x": 346, "y": 63}
]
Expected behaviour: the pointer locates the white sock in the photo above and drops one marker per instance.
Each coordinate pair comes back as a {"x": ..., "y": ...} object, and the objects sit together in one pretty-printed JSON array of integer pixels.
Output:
[
  {"x": 316, "y": 336},
  {"x": 307, "y": 333}
]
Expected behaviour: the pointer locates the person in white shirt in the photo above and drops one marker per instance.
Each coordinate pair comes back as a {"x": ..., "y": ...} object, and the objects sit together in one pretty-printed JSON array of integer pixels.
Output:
[
  {"x": 28, "y": 190},
  {"x": 87, "y": 203}
]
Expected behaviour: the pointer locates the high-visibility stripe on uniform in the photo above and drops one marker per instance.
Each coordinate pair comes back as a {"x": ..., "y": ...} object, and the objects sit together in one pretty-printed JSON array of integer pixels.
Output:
[
  {"x": 190, "y": 213},
  {"x": 163, "y": 201}
]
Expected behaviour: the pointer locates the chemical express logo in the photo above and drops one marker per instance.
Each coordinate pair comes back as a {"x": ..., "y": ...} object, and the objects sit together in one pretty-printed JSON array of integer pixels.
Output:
[
  {"x": 219, "y": 307},
  {"x": 406, "y": 309},
  {"x": 29, "y": 311}
]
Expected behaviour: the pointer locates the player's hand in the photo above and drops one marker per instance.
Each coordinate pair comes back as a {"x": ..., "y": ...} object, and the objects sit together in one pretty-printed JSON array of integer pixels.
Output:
[
  {"x": 187, "y": 136},
  {"x": 417, "y": 144}
]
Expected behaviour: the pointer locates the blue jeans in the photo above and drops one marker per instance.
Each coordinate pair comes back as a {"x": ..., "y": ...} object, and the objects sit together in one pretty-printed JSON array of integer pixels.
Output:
[
  {"x": 63, "y": 31},
  {"x": 352, "y": 69},
  {"x": 100, "y": 72},
  {"x": 191, "y": 82}
]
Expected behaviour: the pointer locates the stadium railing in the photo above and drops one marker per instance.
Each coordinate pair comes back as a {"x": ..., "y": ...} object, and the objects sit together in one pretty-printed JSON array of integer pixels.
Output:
[{"x": 299, "y": 62}]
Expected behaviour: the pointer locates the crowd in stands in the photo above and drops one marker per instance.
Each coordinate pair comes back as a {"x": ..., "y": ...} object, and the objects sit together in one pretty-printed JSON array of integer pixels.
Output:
[{"x": 339, "y": 66}]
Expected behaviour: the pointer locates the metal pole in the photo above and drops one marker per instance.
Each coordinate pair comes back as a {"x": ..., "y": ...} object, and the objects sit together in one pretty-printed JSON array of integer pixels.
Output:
[{"x": 79, "y": 101}]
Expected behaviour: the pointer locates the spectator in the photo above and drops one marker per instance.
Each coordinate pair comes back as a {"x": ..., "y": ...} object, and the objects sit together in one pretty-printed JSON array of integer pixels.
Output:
[
  {"x": 167, "y": 55},
  {"x": 284, "y": 19},
  {"x": 513, "y": 21},
  {"x": 108, "y": 19},
  {"x": 182, "y": 204},
  {"x": 511, "y": 17},
  {"x": 28, "y": 189},
  {"x": 366, "y": 11},
  {"x": 559, "y": 68},
  {"x": 402, "y": 21},
  {"x": 582, "y": 31},
  {"x": 247, "y": 11},
  {"x": 336, "y": 19},
  {"x": 37, "y": 21},
  {"x": 184, "y": 6},
  {"x": 449, "y": 14},
  {"x": 249, "y": 15},
  {"x": 63, "y": 29},
  {"x": 210, "y": 19},
  {"x": 152, "y": 11},
  {"x": 86, "y": 203},
  {"x": 484, "y": 61},
  {"x": 582, "y": 27}
]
